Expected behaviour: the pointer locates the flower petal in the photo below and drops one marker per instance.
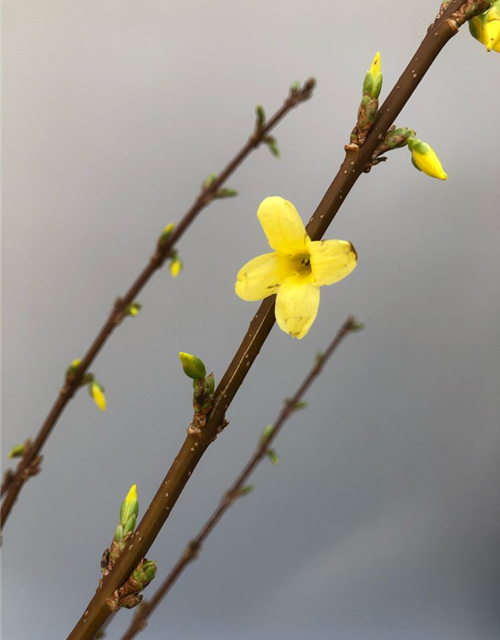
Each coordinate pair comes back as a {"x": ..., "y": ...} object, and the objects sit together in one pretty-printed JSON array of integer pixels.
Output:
[
  {"x": 297, "y": 305},
  {"x": 282, "y": 225},
  {"x": 262, "y": 276},
  {"x": 331, "y": 260}
]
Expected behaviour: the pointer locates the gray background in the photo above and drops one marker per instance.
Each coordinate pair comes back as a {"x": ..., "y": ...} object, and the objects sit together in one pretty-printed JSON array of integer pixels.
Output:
[{"x": 383, "y": 520}]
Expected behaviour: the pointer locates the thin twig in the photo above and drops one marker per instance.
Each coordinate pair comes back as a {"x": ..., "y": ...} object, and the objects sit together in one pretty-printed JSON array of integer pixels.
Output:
[
  {"x": 13, "y": 483},
  {"x": 193, "y": 548},
  {"x": 98, "y": 610}
]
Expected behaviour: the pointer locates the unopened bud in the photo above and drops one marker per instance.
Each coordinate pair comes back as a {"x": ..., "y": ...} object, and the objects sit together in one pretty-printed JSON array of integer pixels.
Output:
[
  {"x": 165, "y": 235},
  {"x": 133, "y": 309},
  {"x": 17, "y": 450},
  {"x": 96, "y": 391},
  {"x": 424, "y": 158},
  {"x": 193, "y": 366},
  {"x": 72, "y": 369},
  {"x": 130, "y": 506},
  {"x": 372, "y": 84},
  {"x": 492, "y": 28},
  {"x": 175, "y": 266},
  {"x": 260, "y": 117}
]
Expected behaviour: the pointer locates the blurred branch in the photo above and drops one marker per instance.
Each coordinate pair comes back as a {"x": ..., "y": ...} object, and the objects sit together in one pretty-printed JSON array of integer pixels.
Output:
[
  {"x": 30, "y": 462},
  {"x": 356, "y": 159},
  {"x": 238, "y": 488}
]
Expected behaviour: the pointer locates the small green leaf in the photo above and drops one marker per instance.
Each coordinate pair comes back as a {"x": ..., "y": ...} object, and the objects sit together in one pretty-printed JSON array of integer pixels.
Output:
[
  {"x": 357, "y": 326},
  {"x": 225, "y": 193},
  {"x": 261, "y": 117},
  {"x": 272, "y": 145},
  {"x": 244, "y": 491},
  {"x": 273, "y": 456}
]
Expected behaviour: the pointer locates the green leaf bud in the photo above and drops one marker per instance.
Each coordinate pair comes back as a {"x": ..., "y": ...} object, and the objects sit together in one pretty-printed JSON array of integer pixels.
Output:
[
  {"x": 119, "y": 533},
  {"x": 209, "y": 180},
  {"x": 129, "y": 525},
  {"x": 244, "y": 491},
  {"x": 17, "y": 450},
  {"x": 225, "y": 193},
  {"x": 273, "y": 456},
  {"x": 272, "y": 145},
  {"x": 261, "y": 117}
]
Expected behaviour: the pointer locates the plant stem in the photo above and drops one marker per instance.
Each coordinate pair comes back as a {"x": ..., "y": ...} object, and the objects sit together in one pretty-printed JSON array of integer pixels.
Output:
[
  {"x": 194, "y": 546},
  {"x": 97, "y": 611},
  {"x": 14, "y": 482}
]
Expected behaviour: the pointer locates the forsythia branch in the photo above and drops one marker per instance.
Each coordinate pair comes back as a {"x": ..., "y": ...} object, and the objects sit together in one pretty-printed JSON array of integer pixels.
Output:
[
  {"x": 97, "y": 611},
  {"x": 14, "y": 481},
  {"x": 193, "y": 548}
]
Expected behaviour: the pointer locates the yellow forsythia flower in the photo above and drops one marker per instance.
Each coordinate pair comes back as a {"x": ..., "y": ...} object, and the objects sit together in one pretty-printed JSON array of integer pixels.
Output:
[
  {"x": 486, "y": 28},
  {"x": 424, "y": 158},
  {"x": 296, "y": 269},
  {"x": 97, "y": 393}
]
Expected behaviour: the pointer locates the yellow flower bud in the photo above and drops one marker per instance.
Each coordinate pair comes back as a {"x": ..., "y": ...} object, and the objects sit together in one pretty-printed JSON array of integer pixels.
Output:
[
  {"x": 133, "y": 309},
  {"x": 193, "y": 367},
  {"x": 72, "y": 369},
  {"x": 492, "y": 28},
  {"x": 96, "y": 391},
  {"x": 131, "y": 496},
  {"x": 486, "y": 28},
  {"x": 165, "y": 235},
  {"x": 372, "y": 84},
  {"x": 425, "y": 159},
  {"x": 17, "y": 450},
  {"x": 175, "y": 267},
  {"x": 129, "y": 511}
]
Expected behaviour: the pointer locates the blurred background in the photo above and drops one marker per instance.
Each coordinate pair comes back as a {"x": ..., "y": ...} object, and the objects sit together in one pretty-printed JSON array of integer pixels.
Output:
[{"x": 382, "y": 521}]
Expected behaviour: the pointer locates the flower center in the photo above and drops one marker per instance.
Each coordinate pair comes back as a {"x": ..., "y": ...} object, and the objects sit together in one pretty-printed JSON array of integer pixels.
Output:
[{"x": 302, "y": 264}]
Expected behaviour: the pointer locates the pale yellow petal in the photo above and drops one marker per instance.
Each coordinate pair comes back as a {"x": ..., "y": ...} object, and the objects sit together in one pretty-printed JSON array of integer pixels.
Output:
[
  {"x": 262, "y": 276},
  {"x": 331, "y": 260},
  {"x": 297, "y": 305},
  {"x": 282, "y": 225}
]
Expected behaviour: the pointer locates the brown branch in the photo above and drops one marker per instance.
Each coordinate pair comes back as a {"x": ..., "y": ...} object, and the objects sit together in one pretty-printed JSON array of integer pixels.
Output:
[
  {"x": 194, "y": 546},
  {"x": 14, "y": 482},
  {"x": 97, "y": 611}
]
